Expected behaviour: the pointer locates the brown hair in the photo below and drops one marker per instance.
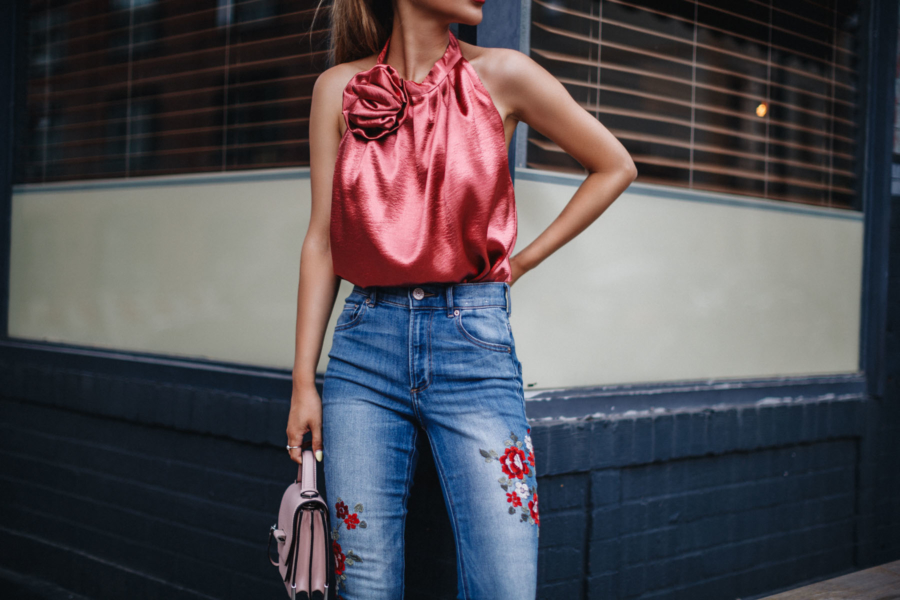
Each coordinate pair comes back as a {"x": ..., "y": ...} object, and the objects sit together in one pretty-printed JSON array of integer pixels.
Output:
[{"x": 359, "y": 28}]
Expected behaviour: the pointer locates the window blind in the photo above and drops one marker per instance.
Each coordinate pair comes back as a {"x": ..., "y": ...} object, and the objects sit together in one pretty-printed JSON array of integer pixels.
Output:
[
  {"x": 751, "y": 97},
  {"x": 123, "y": 88}
]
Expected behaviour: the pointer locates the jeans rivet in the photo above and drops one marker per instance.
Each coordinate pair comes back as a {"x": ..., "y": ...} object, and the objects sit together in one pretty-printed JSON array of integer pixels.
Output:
[{"x": 456, "y": 312}]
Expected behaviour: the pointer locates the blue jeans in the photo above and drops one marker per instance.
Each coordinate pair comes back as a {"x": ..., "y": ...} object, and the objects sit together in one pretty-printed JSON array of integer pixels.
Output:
[{"x": 437, "y": 360}]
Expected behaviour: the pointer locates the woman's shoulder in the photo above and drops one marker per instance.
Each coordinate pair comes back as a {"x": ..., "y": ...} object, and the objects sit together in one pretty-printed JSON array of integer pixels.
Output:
[
  {"x": 500, "y": 70},
  {"x": 338, "y": 76},
  {"x": 331, "y": 83},
  {"x": 497, "y": 65}
]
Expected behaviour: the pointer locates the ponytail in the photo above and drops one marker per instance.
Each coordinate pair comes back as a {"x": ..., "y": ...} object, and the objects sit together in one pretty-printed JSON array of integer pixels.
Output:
[{"x": 359, "y": 28}]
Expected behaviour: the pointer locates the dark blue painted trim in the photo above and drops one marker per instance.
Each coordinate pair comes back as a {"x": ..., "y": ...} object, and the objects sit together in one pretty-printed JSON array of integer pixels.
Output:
[
  {"x": 878, "y": 57},
  {"x": 621, "y": 399},
  {"x": 154, "y": 368},
  {"x": 8, "y": 18}
]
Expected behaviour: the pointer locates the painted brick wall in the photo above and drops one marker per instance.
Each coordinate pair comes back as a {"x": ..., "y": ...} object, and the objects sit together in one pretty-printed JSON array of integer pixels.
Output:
[
  {"x": 727, "y": 502},
  {"x": 880, "y": 496},
  {"x": 113, "y": 485}
]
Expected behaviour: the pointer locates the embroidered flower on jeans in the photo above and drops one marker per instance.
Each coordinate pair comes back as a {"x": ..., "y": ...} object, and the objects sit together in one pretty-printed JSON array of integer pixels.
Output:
[
  {"x": 341, "y": 560},
  {"x": 533, "y": 507},
  {"x": 352, "y": 521},
  {"x": 515, "y": 467},
  {"x": 513, "y": 463},
  {"x": 530, "y": 447},
  {"x": 376, "y": 102},
  {"x": 522, "y": 490}
]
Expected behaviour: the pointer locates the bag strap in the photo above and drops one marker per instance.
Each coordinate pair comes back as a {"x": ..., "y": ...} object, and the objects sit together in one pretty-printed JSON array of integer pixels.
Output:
[{"x": 306, "y": 472}]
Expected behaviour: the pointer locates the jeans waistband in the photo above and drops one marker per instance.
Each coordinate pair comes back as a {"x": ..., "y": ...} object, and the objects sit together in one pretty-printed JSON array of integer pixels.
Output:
[{"x": 449, "y": 296}]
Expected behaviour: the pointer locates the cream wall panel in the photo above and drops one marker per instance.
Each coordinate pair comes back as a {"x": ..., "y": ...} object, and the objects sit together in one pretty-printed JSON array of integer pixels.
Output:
[
  {"x": 674, "y": 284},
  {"x": 198, "y": 267}
]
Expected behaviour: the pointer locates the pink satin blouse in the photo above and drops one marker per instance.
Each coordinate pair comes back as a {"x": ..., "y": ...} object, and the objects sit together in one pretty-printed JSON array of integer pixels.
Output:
[{"x": 422, "y": 191}]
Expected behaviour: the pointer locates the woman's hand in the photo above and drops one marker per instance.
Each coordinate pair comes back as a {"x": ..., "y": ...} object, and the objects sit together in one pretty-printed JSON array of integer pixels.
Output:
[{"x": 305, "y": 415}]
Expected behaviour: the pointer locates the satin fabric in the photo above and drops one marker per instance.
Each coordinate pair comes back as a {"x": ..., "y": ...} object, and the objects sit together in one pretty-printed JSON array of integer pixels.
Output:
[{"x": 422, "y": 191}]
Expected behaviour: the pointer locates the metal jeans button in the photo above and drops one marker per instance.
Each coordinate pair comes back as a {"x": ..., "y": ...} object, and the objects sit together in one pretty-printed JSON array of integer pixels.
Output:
[{"x": 418, "y": 293}]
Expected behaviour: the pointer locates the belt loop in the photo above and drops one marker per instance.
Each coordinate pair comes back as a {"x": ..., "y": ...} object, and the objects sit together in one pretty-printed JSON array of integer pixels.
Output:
[
  {"x": 373, "y": 295},
  {"x": 449, "y": 293},
  {"x": 508, "y": 299}
]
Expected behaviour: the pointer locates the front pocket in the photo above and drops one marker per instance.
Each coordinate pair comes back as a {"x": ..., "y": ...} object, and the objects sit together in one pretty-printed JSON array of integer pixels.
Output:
[
  {"x": 351, "y": 316},
  {"x": 485, "y": 327}
]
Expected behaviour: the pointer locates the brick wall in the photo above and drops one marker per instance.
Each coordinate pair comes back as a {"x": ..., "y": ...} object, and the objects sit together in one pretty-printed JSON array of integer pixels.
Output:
[
  {"x": 727, "y": 502},
  {"x": 115, "y": 486}
]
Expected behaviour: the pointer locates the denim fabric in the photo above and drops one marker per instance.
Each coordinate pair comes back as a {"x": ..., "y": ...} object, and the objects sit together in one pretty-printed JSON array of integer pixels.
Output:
[{"x": 442, "y": 365}]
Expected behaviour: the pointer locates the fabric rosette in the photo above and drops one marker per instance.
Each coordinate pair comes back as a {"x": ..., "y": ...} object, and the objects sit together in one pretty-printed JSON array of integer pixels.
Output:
[{"x": 379, "y": 102}]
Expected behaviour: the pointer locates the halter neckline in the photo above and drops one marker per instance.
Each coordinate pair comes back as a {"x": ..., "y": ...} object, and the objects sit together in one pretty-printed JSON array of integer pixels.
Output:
[{"x": 438, "y": 71}]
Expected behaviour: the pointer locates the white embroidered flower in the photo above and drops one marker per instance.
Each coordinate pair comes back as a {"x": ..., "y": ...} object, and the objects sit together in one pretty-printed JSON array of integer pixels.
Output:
[
  {"x": 522, "y": 490},
  {"x": 528, "y": 443},
  {"x": 518, "y": 461}
]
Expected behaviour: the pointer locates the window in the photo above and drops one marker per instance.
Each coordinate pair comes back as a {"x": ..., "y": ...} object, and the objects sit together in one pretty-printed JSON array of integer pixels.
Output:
[
  {"x": 752, "y": 97},
  {"x": 121, "y": 88}
]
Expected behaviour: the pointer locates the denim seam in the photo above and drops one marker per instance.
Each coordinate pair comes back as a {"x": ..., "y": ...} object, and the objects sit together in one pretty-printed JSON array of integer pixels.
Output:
[
  {"x": 415, "y": 408},
  {"x": 430, "y": 358},
  {"x": 453, "y": 521},
  {"x": 405, "y": 500},
  {"x": 520, "y": 384},
  {"x": 409, "y": 335},
  {"x": 503, "y": 306},
  {"x": 428, "y": 349}
]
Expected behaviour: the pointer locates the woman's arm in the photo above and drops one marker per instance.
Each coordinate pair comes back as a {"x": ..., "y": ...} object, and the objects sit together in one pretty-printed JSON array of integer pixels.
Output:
[
  {"x": 531, "y": 94},
  {"x": 318, "y": 285}
]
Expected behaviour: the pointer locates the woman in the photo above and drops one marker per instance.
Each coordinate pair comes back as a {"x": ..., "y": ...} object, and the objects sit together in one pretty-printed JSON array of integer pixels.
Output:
[{"x": 412, "y": 202}]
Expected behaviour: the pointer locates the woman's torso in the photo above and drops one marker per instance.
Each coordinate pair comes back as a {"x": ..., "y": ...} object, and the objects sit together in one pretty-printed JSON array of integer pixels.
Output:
[{"x": 422, "y": 191}]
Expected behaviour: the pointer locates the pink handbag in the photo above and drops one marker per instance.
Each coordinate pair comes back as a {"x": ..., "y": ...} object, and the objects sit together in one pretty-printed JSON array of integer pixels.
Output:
[{"x": 303, "y": 535}]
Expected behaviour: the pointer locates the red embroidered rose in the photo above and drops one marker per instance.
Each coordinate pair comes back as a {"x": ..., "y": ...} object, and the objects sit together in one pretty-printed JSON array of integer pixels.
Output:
[
  {"x": 531, "y": 458},
  {"x": 533, "y": 508},
  {"x": 375, "y": 102},
  {"x": 341, "y": 509},
  {"x": 514, "y": 498},
  {"x": 513, "y": 463},
  {"x": 352, "y": 521},
  {"x": 339, "y": 558}
]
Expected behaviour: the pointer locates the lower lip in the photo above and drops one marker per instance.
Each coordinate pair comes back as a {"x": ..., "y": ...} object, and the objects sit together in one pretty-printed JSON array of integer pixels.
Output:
[{"x": 478, "y": 1}]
